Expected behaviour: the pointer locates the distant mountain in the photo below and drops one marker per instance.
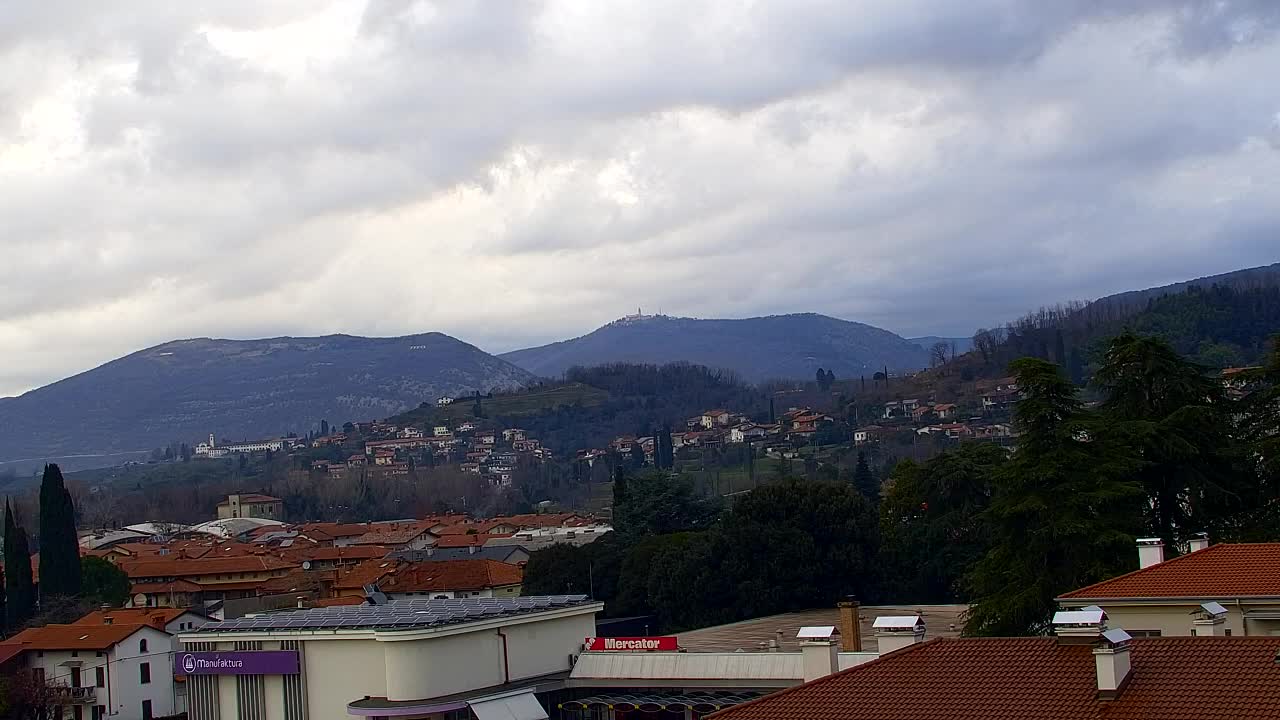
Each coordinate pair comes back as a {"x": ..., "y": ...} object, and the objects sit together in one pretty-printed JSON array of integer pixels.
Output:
[
  {"x": 962, "y": 344},
  {"x": 762, "y": 348},
  {"x": 240, "y": 389}
]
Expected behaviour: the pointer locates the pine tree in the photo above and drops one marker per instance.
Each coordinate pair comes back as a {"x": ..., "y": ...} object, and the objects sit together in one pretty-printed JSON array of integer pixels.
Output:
[
  {"x": 1178, "y": 422},
  {"x": 1062, "y": 511},
  {"x": 865, "y": 480},
  {"x": 19, "y": 587},
  {"x": 59, "y": 550}
]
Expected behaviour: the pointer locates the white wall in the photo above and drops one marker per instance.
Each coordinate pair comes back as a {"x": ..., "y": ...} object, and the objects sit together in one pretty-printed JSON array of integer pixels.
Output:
[
  {"x": 544, "y": 647},
  {"x": 418, "y": 669},
  {"x": 127, "y": 693},
  {"x": 339, "y": 671}
]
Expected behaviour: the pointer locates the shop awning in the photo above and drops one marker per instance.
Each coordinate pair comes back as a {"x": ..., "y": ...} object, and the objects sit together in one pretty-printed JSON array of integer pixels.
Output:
[
  {"x": 517, "y": 706},
  {"x": 653, "y": 702}
]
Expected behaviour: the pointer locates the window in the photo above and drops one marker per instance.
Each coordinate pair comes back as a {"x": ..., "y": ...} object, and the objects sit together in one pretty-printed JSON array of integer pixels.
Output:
[
  {"x": 144, "y": 673},
  {"x": 77, "y": 712},
  {"x": 1144, "y": 633},
  {"x": 1228, "y": 632},
  {"x": 99, "y": 712},
  {"x": 146, "y": 710},
  {"x": 75, "y": 677},
  {"x": 142, "y": 645},
  {"x": 100, "y": 677}
]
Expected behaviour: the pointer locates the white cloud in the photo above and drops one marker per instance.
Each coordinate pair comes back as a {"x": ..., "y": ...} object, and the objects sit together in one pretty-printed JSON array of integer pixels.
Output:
[{"x": 522, "y": 175}]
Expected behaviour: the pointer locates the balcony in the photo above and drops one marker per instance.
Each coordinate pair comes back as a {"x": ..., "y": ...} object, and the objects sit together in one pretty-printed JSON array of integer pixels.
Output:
[{"x": 67, "y": 695}]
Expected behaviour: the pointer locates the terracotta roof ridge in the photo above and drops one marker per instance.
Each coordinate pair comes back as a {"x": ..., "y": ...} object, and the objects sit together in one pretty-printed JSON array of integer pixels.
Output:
[{"x": 1197, "y": 554}]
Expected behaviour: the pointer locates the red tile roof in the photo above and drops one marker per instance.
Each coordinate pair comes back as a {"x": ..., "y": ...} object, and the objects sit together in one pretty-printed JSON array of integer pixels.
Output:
[
  {"x": 439, "y": 575},
  {"x": 72, "y": 637},
  {"x": 155, "y": 617},
  {"x": 251, "y": 498},
  {"x": 352, "y": 553},
  {"x": 170, "y": 566},
  {"x": 392, "y": 535},
  {"x": 160, "y": 588},
  {"x": 369, "y": 571},
  {"x": 1218, "y": 572},
  {"x": 1184, "y": 678}
]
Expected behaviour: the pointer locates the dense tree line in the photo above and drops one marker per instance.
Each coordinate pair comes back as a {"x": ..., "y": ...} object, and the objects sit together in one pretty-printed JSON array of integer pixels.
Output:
[
  {"x": 1220, "y": 325},
  {"x": 1163, "y": 453}
]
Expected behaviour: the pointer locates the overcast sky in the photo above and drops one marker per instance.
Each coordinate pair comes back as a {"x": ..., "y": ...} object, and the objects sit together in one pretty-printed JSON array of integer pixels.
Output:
[{"x": 515, "y": 173}]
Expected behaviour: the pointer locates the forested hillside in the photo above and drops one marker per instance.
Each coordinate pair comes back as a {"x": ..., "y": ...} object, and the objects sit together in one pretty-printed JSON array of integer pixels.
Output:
[
  {"x": 1219, "y": 326},
  {"x": 594, "y": 405}
]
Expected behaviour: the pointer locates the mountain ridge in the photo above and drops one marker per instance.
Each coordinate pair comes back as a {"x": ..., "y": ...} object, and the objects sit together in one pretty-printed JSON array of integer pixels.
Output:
[
  {"x": 784, "y": 346},
  {"x": 181, "y": 390}
]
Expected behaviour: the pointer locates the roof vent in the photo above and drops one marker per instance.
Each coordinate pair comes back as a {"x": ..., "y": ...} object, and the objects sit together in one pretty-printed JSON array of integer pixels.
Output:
[
  {"x": 817, "y": 632},
  {"x": 1150, "y": 552},
  {"x": 819, "y": 653},
  {"x": 1079, "y": 627},
  {"x": 1111, "y": 659},
  {"x": 374, "y": 596},
  {"x": 1210, "y": 620},
  {"x": 894, "y": 632}
]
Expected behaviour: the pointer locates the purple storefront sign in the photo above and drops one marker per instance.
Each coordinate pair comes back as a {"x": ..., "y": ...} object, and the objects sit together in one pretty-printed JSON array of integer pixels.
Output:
[{"x": 247, "y": 662}]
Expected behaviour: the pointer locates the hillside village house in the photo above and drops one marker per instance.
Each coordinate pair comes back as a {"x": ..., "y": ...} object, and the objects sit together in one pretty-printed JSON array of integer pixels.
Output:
[
  {"x": 117, "y": 670},
  {"x": 251, "y": 506},
  {"x": 1167, "y": 597}
]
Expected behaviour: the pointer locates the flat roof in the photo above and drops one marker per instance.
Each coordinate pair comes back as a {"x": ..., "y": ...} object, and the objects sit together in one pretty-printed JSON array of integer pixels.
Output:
[
  {"x": 749, "y": 634},
  {"x": 410, "y": 614}
]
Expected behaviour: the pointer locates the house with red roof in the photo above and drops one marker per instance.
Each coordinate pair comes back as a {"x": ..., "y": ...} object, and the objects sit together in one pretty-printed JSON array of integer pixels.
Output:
[
  {"x": 100, "y": 670},
  {"x": 1165, "y": 597},
  {"x": 1089, "y": 674}
]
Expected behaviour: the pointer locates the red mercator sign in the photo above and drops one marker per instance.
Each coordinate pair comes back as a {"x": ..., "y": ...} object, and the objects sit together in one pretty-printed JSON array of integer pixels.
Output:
[{"x": 631, "y": 644}]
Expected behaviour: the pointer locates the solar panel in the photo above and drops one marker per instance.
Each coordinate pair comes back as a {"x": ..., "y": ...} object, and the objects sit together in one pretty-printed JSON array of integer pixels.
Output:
[{"x": 396, "y": 614}]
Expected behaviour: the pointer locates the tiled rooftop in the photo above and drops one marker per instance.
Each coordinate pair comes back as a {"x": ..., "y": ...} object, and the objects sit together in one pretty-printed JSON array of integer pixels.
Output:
[
  {"x": 1217, "y": 572},
  {"x": 1184, "y": 678}
]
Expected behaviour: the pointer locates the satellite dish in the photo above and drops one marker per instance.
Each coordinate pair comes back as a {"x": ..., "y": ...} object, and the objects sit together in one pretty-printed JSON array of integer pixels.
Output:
[{"x": 306, "y": 564}]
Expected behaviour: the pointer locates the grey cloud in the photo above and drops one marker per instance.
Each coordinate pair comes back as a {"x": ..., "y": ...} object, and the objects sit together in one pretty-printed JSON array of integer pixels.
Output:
[{"x": 515, "y": 177}]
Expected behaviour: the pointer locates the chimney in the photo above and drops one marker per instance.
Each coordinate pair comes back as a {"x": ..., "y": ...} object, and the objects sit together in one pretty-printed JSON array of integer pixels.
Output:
[
  {"x": 1150, "y": 552},
  {"x": 897, "y": 632},
  {"x": 1210, "y": 620},
  {"x": 1112, "y": 660},
  {"x": 850, "y": 628},
  {"x": 1079, "y": 627},
  {"x": 471, "y": 549},
  {"x": 819, "y": 652},
  {"x": 1199, "y": 541}
]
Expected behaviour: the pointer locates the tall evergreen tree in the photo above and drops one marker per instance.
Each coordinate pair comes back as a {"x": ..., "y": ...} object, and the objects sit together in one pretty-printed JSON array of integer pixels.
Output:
[
  {"x": 1062, "y": 512},
  {"x": 19, "y": 587},
  {"x": 1177, "y": 421},
  {"x": 664, "y": 452},
  {"x": 865, "y": 480},
  {"x": 59, "y": 550}
]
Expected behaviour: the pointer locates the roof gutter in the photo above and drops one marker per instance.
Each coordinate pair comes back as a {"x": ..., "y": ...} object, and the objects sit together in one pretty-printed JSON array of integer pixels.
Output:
[{"x": 1169, "y": 599}]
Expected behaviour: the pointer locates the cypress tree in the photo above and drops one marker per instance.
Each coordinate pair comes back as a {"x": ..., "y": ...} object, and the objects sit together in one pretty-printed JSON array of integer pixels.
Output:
[
  {"x": 59, "y": 551},
  {"x": 865, "y": 480},
  {"x": 19, "y": 588}
]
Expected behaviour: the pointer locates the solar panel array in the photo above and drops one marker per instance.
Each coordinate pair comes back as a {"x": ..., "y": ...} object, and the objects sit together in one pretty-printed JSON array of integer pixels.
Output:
[{"x": 406, "y": 614}]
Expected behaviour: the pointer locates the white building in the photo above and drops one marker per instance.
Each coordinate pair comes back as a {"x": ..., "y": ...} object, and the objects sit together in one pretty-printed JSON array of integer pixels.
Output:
[
  {"x": 210, "y": 448},
  {"x": 442, "y": 401},
  {"x": 122, "y": 671},
  {"x": 392, "y": 659}
]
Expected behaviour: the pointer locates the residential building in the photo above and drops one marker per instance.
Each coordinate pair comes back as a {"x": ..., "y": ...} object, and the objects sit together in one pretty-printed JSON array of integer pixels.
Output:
[
  {"x": 102, "y": 671},
  {"x": 1163, "y": 596},
  {"x": 251, "y": 506},
  {"x": 443, "y": 401},
  {"x": 156, "y": 580},
  {"x": 476, "y": 657},
  {"x": 945, "y": 411},
  {"x": 712, "y": 419},
  {"x": 868, "y": 434},
  {"x": 170, "y": 620},
  {"x": 1086, "y": 672},
  {"x": 398, "y": 536},
  {"x": 447, "y": 579}
]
